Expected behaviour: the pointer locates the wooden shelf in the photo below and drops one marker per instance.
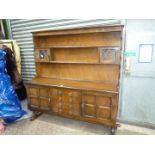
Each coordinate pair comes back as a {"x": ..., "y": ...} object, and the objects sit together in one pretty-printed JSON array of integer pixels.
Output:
[
  {"x": 108, "y": 86},
  {"x": 71, "y": 62},
  {"x": 106, "y": 47}
]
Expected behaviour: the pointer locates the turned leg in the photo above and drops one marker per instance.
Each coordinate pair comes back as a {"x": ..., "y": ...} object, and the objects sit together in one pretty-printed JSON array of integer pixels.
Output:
[
  {"x": 114, "y": 129},
  {"x": 35, "y": 115}
]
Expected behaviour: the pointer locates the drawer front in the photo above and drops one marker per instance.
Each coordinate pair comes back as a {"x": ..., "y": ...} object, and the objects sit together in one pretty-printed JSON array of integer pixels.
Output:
[{"x": 65, "y": 101}]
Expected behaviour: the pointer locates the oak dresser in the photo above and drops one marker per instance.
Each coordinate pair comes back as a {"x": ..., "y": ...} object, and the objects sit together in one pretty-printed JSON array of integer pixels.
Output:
[{"x": 77, "y": 74}]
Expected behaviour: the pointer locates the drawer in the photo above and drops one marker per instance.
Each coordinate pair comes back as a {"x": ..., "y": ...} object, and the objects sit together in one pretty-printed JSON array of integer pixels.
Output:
[
  {"x": 56, "y": 91},
  {"x": 65, "y": 92},
  {"x": 71, "y": 92}
]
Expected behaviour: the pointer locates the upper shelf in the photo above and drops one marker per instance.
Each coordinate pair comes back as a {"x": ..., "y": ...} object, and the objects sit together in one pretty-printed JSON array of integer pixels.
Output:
[
  {"x": 71, "y": 62},
  {"x": 103, "y": 47}
]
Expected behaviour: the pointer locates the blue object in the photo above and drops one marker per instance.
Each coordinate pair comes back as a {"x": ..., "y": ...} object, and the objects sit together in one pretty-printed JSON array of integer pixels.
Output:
[{"x": 10, "y": 107}]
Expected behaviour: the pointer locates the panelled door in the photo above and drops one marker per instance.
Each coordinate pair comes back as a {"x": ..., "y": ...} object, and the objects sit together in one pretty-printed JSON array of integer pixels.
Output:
[
  {"x": 99, "y": 106},
  {"x": 39, "y": 97}
]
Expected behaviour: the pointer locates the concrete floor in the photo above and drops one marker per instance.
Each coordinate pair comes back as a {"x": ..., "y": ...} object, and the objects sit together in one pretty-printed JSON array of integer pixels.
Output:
[{"x": 54, "y": 125}]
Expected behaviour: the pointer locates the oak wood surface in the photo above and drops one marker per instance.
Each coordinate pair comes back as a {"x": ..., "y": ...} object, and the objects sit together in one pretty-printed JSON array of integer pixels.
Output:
[
  {"x": 77, "y": 73},
  {"x": 79, "y": 30}
]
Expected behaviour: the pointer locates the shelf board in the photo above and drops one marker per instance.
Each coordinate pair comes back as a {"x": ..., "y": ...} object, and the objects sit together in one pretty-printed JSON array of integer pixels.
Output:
[
  {"x": 106, "y": 47},
  {"x": 102, "y": 86},
  {"x": 72, "y": 62}
]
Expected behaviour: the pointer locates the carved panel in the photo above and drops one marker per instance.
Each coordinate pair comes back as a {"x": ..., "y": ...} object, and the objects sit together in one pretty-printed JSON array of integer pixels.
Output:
[
  {"x": 42, "y": 55},
  {"x": 110, "y": 55}
]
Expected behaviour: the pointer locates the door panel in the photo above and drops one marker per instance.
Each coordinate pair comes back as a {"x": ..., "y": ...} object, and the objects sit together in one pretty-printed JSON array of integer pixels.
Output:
[
  {"x": 44, "y": 92},
  {"x": 74, "y": 106},
  {"x": 34, "y": 102},
  {"x": 89, "y": 110},
  {"x": 32, "y": 91},
  {"x": 88, "y": 98},
  {"x": 44, "y": 98},
  {"x": 55, "y": 106},
  {"x": 103, "y": 113},
  {"x": 65, "y": 104},
  {"x": 44, "y": 103},
  {"x": 103, "y": 101},
  {"x": 55, "y": 101}
]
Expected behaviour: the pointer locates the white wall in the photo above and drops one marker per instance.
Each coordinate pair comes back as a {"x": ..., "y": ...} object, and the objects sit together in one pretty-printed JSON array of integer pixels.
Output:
[{"x": 138, "y": 96}]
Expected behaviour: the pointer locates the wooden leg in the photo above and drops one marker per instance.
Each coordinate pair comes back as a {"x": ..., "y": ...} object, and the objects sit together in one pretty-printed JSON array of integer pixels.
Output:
[
  {"x": 35, "y": 115},
  {"x": 114, "y": 129}
]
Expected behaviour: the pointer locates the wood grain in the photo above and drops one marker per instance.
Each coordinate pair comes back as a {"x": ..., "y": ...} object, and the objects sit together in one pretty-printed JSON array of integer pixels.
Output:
[{"x": 79, "y": 75}]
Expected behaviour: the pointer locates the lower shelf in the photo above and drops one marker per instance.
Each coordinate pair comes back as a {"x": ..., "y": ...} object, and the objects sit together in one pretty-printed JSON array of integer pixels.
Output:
[{"x": 111, "y": 87}]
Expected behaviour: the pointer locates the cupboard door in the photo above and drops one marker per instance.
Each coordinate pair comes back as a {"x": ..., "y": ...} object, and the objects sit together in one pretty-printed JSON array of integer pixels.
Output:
[
  {"x": 99, "y": 106},
  {"x": 39, "y": 97}
]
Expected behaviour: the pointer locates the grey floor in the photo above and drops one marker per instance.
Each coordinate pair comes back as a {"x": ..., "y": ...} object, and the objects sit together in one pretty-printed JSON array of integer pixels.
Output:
[{"x": 54, "y": 125}]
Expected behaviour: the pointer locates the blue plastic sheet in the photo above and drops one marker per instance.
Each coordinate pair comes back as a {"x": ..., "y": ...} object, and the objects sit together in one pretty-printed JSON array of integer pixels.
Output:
[{"x": 10, "y": 107}]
